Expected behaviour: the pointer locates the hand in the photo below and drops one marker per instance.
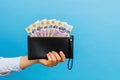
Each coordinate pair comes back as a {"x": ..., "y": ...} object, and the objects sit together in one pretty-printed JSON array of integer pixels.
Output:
[{"x": 53, "y": 59}]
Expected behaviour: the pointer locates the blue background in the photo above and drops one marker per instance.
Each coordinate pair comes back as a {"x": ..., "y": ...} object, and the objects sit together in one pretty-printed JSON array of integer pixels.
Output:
[{"x": 96, "y": 30}]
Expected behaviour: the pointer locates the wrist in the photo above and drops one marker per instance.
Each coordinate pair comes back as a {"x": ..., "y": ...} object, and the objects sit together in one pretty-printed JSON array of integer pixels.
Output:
[
  {"x": 35, "y": 61},
  {"x": 25, "y": 62}
]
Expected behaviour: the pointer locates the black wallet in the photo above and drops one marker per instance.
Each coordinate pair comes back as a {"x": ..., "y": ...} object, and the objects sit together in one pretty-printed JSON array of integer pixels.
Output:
[{"x": 38, "y": 47}]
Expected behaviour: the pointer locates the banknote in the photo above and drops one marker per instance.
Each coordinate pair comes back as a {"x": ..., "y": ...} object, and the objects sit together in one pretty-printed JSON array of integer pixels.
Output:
[
  {"x": 42, "y": 25},
  {"x": 52, "y": 27},
  {"x": 32, "y": 28},
  {"x": 49, "y": 28},
  {"x": 61, "y": 30}
]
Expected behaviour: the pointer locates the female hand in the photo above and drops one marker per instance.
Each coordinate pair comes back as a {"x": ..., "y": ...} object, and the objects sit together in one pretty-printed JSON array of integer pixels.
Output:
[{"x": 53, "y": 59}]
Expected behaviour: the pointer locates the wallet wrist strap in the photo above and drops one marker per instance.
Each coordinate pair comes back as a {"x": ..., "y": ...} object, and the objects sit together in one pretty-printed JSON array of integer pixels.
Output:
[
  {"x": 70, "y": 60},
  {"x": 70, "y": 64}
]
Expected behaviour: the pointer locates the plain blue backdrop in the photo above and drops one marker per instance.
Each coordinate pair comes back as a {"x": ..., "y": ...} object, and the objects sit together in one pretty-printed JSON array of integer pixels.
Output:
[{"x": 96, "y": 30}]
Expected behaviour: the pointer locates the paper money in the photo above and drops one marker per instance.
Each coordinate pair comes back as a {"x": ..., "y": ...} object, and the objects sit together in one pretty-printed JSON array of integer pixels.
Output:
[
  {"x": 42, "y": 25},
  {"x": 52, "y": 27},
  {"x": 61, "y": 30},
  {"x": 49, "y": 28}
]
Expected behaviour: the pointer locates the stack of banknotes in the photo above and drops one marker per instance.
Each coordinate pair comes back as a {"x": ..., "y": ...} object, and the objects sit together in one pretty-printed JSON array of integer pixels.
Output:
[{"x": 49, "y": 28}]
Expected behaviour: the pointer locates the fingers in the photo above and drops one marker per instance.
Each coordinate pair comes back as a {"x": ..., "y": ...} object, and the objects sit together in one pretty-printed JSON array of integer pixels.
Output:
[
  {"x": 54, "y": 58},
  {"x": 58, "y": 58},
  {"x": 49, "y": 62},
  {"x": 63, "y": 58},
  {"x": 52, "y": 61}
]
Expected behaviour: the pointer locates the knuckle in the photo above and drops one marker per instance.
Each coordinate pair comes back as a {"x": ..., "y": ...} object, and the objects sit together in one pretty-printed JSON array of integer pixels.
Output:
[
  {"x": 50, "y": 60},
  {"x": 54, "y": 60},
  {"x": 59, "y": 59}
]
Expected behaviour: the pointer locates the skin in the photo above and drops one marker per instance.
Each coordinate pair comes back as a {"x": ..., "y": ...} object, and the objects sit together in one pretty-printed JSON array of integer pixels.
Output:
[{"x": 53, "y": 60}]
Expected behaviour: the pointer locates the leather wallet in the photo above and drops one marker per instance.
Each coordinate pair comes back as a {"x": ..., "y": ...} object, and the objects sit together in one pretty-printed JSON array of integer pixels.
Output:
[{"x": 38, "y": 47}]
